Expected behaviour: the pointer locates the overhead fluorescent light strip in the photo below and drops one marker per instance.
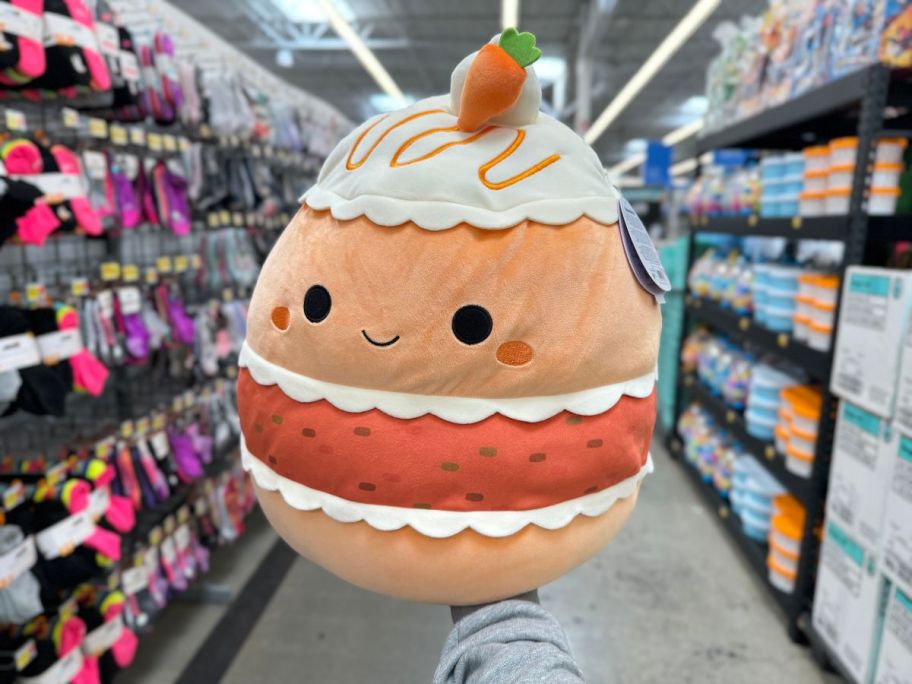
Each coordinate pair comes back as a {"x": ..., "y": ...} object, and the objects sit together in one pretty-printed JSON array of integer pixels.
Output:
[
  {"x": 683, "y": 133},
  {"x": 628, "y": 164},
  {"x": 509, "y": 14},
  {"x": 698, "y": 14},
  {"x": 683, "y": 167},
  {"x": 363, "y": 53}
]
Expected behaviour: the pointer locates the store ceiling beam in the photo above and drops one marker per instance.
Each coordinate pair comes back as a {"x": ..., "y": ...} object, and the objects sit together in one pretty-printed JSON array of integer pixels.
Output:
[
  {"x": 593, "y": 19},
  {"x": 509, "y": 14}
]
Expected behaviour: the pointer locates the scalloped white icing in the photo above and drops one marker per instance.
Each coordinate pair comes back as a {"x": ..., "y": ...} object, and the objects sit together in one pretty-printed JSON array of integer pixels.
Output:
[
  {"x": 438, "y": 181},
  {"x": 460, "y": 410},
  {"x": 435, "y": 523}
]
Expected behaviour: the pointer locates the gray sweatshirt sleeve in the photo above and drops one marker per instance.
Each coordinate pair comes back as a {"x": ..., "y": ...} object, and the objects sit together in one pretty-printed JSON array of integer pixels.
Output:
[{"x": 510, "y": 642}]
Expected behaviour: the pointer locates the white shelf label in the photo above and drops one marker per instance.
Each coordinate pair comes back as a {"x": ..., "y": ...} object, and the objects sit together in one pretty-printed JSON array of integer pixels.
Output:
[
  {"x": 66, "y": 535},
  {"x": 17, "y": 561},
  {"x": 18, "y": 351}
]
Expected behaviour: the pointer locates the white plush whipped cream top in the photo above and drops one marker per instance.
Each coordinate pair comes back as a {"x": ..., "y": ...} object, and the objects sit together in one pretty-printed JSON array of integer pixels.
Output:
[
  {"x": 461, "y": 410},
  {"x": 415, "y": 165}
]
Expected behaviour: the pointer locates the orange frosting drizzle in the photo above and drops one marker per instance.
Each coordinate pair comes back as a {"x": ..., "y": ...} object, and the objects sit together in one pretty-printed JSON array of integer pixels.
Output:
[{"x": 482, "y": 170}]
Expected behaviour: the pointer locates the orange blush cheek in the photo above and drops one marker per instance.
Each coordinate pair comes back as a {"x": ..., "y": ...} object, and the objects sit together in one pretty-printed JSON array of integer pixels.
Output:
[
  {"x": 515, "y": 353},
  {"x": 281, "y": 318}
]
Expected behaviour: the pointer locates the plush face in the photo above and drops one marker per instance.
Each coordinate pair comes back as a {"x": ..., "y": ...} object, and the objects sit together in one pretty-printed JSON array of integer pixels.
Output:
[{"x": 533, "y": 310}]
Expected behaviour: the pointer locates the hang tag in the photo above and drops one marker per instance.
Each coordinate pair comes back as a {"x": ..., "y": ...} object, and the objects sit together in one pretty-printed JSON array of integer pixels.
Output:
[
  {"x": 59, "y": 345},
  {"x": 105, "y": 301},
  {"x": 168, "y": 551},
  {"x": 18, "y": 351},
  {"x": 160, "y": 445},
  {"x": 99, "y": 500},
  {"x": 20, "y": 22},
  {"x": 58, "y": 186},
  {"x": 96, "y": 165},
  {"x": 130, "y": 300},
  {"x": 13, "y": 495},
  {"x": 108, "y": 38},
  {"x": 641, "y": 253},
  {"x": 61, "y": 672},
  {"x": 25, "y": 654},
  {"x": 134, "y": 580},
  {"x": 102, "y": 637},
  {"x": 65, "y": 535},
  {"x": 129, "y": 66},
  {"x": 182, "y": 537},
  {"x": 17, "y": 560}
]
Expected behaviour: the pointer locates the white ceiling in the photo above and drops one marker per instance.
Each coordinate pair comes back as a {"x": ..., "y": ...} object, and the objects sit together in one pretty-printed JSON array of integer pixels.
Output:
[{"x": 420, "y": 41}]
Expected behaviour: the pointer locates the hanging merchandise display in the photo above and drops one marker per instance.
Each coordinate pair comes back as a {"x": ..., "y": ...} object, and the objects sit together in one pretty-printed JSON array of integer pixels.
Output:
[
  {"x": 527, "y": 469},
  {"x": 139, "y": 195}
]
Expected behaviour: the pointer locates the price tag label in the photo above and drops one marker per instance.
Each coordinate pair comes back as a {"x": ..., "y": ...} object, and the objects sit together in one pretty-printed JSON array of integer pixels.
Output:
[
  {"x": 177, "y": 404},
  {"x": 205, "y": 131},
  {"x": 18, "y": 351},
  {"x": 102, "y": 637},
  {"x": 118, "y": 135},
  {"x": 227, "y": 294},
  {"x": 155, "y": 536},
  {"x": 99, "y": 500},
  {"x": 796, "y": 223},
  {"x": 56, "y": 474},
  {"x": 103, "y": 449},
  {"x": 237, "y": 218},
  {"x": 151, "y": 276},
  {"x": 182, "y": 537},
  {"x": 25, "y": 654},
  {"x": 15, "y": 120},
  {"x": 154, "y": 140},
  {"x": 130, "y": 299},
  {"x": 200, "y": 507},
  {"x": 183, "y": 144},
  {"x": 60, "y": 344},
  {"x": 196, "y": 261},
  {"x": 98, "y": 128},
  {"x": 183, "y": 514},
  {"x": 163, "y": 264},
  {"x": 225, "y": 217},
  {"x": 17, "y": 560},
  {"x": 134, "y": 580},
  {"x": 158, "y": 421},
  {"x": 130, "y": 273},
  {"x": 61, "y": 538},
  {"x": 126, "y": 429},
  {"x": 212, "y": 219},
  {"x": 70, "y": 117},
  {"x": 35, "y": 293},
  {"x": 142, "y": 425},
  {"x": 13, "y": 495},
  {"x": 169, "y": 142},
  {"x": 169, "y": 525},
  {"x": 181, "y": 263},
  {"x": 110, "y": 270},
  {"x": 137, "y": 136},
  {"x": 189, "y": 398}
]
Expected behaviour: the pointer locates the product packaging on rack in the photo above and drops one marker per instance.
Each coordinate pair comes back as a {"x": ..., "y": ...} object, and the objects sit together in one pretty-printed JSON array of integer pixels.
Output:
[
  {"x": 873, "y": 319},
  {"x": 897, "y": 524},
  {"x": 894, "y": 662}
]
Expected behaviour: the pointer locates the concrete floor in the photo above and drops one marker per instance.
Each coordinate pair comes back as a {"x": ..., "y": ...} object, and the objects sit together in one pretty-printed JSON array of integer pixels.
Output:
[{"x": 669, "y": 601}]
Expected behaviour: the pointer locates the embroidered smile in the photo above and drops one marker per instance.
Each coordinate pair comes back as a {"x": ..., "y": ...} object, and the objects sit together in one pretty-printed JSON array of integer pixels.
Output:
[{"x": 388, "y": 343}]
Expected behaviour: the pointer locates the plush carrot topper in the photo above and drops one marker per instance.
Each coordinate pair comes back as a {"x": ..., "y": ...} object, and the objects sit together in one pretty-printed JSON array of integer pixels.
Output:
[
  {"x": 495, "y": 79},
  {"x": 447, "y": 391}
]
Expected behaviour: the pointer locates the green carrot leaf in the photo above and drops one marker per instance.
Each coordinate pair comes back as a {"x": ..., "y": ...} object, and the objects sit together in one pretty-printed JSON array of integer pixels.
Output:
[{"x": 520, "y": 46}]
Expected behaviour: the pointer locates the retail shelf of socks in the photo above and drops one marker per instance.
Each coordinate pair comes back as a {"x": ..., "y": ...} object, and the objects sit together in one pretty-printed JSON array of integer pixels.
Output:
[{"x": 145, "y": 170}]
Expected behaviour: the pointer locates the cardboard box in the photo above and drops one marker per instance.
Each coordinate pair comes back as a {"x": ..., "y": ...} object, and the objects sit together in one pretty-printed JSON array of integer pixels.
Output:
[
  {"x": 873, "y": 318},
  {"x": 903, "y": 410},
  {"x": 897, "y": 526},
  {"x": 848, "y": 600},
  {"x": 894, "y": 663},
  {"x": 864, "y": 449}
]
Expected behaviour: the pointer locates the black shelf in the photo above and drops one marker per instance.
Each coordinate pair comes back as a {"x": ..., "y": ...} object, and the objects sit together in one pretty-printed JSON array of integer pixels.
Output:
[
  {"x": 890, "y": 228},
  {"x": 754, "y": 552},
  {"x": 744, "y": 329},
  {"x": 765, "y": 452},
  {"x": 796, "y": 227},
  {"x": 819, "y": 115}
]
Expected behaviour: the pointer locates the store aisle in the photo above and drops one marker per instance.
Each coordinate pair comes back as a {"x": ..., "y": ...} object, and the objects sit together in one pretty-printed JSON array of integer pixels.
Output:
[{"x": 669, "y": 600}]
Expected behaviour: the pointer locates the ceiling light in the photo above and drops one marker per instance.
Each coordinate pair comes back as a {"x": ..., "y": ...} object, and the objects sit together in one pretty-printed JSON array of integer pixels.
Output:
[
  {"x": 310, "y": 11},
  {"x": 630, "y": 182},
  {"x": 628, "y": 164},
  {"x": 683, "y": 167},
  {"x": 509, "y": 14},
  {"x": 683, "y": 133},
  {"x": 284, "y": 58},
  {"x": 364, "y": 54},
  {"x": 698, "y": 14}
]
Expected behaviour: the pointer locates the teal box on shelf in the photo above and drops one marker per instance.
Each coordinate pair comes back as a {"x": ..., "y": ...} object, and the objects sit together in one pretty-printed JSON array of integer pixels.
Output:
[{"x": 673, "y": 254}]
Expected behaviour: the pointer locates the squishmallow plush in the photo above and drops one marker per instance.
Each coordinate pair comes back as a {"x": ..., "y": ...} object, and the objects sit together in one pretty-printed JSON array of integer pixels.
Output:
[{"x": 447, "y": 391}]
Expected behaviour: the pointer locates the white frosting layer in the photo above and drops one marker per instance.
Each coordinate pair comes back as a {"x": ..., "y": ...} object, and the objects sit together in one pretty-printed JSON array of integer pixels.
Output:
[
  {"x": 461, "y": 410},
  {"x": 438, "y": 524},
  {"x": 412, "y": 165}
]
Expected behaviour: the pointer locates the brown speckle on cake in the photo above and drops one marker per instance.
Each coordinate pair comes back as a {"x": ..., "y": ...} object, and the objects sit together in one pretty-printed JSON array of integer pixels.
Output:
[
  {"x": 367, "y": 486},
  {"x": 594, "y": 443},
  {"x": 450, "y": 467},
  {"x": 474, "y": 496},
  {"x": 537, "y": 458},
  {"x": 276, "y": 419},
  {"x": 362, "y": 431},
  {"x": 309, "y": 432},
  {"x": 488, "y": 451}
]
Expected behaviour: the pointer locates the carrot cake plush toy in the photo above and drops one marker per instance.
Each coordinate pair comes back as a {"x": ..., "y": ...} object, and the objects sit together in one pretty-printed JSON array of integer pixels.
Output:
[{"x": 447, "y": 392}]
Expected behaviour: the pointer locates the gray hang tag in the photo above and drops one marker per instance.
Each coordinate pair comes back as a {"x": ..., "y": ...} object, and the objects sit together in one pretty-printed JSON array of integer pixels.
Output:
[{"x": 641, "y": 253}]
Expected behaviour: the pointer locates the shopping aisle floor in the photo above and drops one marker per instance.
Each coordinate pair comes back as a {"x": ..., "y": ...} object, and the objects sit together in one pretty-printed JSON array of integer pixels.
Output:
[{"x": 668, "y": 601}]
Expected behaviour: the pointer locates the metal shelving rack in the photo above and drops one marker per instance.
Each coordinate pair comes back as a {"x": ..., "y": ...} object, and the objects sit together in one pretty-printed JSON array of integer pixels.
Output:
[{"x": 870, "y": 103}]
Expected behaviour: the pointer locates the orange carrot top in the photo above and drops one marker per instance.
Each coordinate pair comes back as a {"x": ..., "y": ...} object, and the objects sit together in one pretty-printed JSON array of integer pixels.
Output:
[{"x": 495, "y": 78}]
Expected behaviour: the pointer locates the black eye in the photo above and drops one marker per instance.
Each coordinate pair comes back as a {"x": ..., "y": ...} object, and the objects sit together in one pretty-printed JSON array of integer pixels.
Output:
[
  {"x": 317, "y": 303},
  {"x": 472, "y": 324}
]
